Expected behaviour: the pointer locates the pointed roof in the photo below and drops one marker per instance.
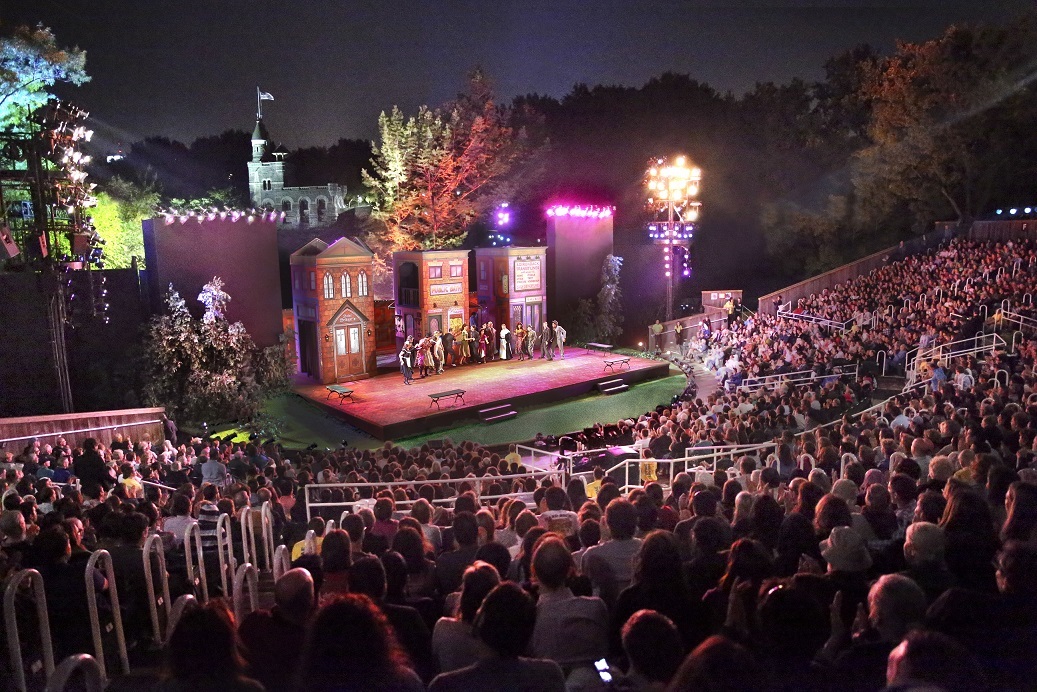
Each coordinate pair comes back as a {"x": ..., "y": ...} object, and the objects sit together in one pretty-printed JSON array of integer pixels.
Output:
[
  {"x": 309, "y": 250},
  {"x": 260, "y": 131},
  {"x": 347, "y": 306},
  {"x": 344, "y": 247}
]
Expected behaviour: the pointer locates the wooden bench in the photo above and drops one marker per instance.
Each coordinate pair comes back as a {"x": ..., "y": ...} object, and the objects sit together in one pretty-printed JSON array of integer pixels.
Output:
[
  {"x": 616, "y": 363},
  {"x": 341, "y": 391},
  {"x": 456, "y": 393},
  {"x": 604, "y": 348}
]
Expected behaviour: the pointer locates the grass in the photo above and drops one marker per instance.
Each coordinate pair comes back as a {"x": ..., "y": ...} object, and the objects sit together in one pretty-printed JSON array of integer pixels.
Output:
[{"x": 305, "y": 423}]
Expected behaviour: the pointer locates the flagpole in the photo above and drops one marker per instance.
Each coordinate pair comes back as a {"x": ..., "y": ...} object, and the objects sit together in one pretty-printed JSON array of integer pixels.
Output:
[{"x": 259, "y": 105}]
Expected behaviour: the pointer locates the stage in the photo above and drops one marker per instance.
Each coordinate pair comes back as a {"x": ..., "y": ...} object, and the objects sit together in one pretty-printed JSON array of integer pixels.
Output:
[{"x": 388, "y": 409}]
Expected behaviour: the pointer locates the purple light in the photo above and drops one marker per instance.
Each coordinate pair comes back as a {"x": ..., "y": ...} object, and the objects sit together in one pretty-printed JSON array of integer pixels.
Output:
[{"x": 580, "y": 212}]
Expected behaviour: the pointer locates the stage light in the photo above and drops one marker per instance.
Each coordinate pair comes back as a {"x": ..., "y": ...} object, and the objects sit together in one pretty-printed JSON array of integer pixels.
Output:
[
  {"x": 1026, "y": 210},
  {"x": 1013, "y": 211}
]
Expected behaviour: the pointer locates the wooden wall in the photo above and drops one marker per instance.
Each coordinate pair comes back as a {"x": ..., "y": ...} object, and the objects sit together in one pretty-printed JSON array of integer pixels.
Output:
[{"x": 134, "y": 423}]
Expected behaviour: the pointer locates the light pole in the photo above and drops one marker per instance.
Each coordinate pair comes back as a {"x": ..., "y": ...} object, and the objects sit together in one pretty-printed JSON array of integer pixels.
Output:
[{"x": 672, "y": 186}]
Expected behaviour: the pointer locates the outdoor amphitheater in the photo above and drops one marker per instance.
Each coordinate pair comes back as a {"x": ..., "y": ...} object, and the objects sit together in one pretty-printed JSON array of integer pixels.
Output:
[{"x": 854, "y": 469}]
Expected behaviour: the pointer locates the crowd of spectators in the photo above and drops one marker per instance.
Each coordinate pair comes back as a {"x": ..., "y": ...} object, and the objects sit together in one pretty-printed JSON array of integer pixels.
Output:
[{"x": 895, "y": 549}]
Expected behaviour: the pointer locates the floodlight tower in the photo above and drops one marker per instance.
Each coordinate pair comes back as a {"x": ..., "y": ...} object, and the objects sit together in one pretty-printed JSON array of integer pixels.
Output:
[{"x": 673, "y": 184}]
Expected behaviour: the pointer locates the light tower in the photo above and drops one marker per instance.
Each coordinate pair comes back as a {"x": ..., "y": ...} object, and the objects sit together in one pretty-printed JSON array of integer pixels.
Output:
[{"x": 672, "y": 187}]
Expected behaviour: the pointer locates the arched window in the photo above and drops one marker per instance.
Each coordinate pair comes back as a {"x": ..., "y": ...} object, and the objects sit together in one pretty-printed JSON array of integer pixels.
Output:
[
  {"x": 329, "y": 286},
  {"x": 361, "y": 282},
  {"x": 322, "y": 209},
  {"x": 304, "y": 211},
  {"x": 347, "y": 285},
  {"x": 286, "y": 205},
  {"x": 267, "y": 185}
]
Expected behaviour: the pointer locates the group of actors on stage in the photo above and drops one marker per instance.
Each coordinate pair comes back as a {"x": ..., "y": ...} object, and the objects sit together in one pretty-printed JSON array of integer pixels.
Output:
[{"x": 433, "y": 352}]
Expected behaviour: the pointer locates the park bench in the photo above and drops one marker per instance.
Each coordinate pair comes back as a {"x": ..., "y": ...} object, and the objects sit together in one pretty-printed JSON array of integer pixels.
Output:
[
  {"x": 456, "y": 393},
  {"x": 604, "y": 348},
  {"x": 614, "y": 363},
  {"x": 341, "y": 391}
]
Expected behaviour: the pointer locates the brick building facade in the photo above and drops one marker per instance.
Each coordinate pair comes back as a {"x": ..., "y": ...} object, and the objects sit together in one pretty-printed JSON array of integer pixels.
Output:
[
  {"x": 431, "y": 289},
  {"x": 511, "y": 283},
  {"x": 334, "y": 309}
]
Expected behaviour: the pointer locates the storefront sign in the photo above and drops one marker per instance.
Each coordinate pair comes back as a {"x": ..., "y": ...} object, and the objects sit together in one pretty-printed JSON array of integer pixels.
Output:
[{"x": 527, "y": 275}]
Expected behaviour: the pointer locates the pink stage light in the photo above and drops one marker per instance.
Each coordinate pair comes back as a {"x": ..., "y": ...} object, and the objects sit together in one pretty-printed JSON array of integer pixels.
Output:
[{"x": 580, "y": 212}]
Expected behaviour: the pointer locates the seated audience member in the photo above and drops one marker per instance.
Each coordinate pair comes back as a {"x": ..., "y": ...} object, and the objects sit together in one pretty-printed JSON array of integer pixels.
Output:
[
  {"x": 932, "y": 661},
  {"x": 273, "y": 638},
  {"x": 317, "y": 526},
  {"x": 505, "y": 623},
  {"x": 570, "y": 630},
  {"x": 557, "y": 519},
  {"x": 367, "y": 576},
  {"x": 653, "y": 647},
  {"x": 203, "y": 653},
  {"x": 65, "y": 583},
  {"x": 454, "y": 643},
  {"x": 353, "y": 525},
  {"x": 336, "y": 559},
  {"x": 450, "y": 566},
  {"x": 610, "y": 565},
  {"x": 351, "y": 646},
  {"x": 924, "y": 553},
  {"x": 719, "y": 664}
]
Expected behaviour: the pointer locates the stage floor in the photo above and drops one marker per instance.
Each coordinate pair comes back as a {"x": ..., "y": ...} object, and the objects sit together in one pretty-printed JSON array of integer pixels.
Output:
[{"x": 389, "y": 409}]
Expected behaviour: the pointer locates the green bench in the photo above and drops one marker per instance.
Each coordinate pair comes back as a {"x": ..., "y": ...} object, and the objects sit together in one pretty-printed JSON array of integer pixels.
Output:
[
  {"x": 341, "y": 391},
  {"x": 456, "y": 393}
]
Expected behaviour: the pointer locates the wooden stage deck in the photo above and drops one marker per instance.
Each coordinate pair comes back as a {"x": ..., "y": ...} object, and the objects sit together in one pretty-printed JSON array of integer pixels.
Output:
[{"x": 389, "y": 409}]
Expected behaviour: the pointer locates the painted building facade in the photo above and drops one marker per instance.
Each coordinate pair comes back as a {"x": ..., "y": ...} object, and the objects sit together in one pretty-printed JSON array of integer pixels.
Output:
[
  {"x": 301, "y": 206},
  {"x": 511, "y": 284},
  {"x": 334, "y": 309},
  {"x": 431, "y": 290}
]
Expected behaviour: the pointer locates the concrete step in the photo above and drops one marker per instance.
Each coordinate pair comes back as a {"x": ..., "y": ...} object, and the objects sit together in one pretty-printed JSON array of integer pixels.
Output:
[
  {"x": 614, "y": 389},
  {"x": 609, "y": 384}
]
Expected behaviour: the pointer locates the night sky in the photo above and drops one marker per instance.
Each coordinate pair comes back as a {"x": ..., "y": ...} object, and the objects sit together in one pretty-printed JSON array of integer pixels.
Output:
[{"x": 186, "y": 69}]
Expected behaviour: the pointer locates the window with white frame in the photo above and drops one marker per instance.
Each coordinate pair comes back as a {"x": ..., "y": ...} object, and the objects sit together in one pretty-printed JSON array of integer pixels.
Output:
[
  {"x": 347, "y": 285},
  {"x": 361, "y": 283},
  {"x": 329, "y": 286}
]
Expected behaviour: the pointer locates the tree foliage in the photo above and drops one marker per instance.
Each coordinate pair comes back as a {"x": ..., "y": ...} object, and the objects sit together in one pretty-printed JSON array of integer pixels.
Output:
[
  {"x": 209, "y": 369},
  {"x": 117, "y": 216},
  {"x": 31, "y": 62},
  {"x": 435, "y": 172}
]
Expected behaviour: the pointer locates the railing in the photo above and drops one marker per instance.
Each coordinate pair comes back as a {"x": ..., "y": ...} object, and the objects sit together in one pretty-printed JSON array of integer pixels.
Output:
[
  {"x": 282, "y": 561},
  {"x": 247, "y": 575},
  {"x": 196, "y": 575},
  {"x": 1022, "y": 322},
  {"x": 309, "y": 545},
  {"x": 752, "y": 384},
  {"x": 813, "y": 319},
  {"x": 181, "y": 606},
  {"x": 87, "y": 670},
  {"x": 981, "y": 343},
  {"x": 476, "y": 483},
  {"x": 103, "y": 558},
  {"x": 409, "y": 297},
  {"x": 329, "y": 526},
  {"x": 267, "y": 518},
  {"x": 225, "y": 553},
  {"x": 153, "y": 545},
  {"x": 248, "y": 537},
  {"x": 14, "y": 642}
]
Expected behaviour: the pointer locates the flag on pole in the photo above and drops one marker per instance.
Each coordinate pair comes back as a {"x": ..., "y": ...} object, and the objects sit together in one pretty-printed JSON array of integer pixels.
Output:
[{"x": 264, "y": 96}]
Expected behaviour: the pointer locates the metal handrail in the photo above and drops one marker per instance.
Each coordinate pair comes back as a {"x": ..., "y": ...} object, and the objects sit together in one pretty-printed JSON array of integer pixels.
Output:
[
  {"x": 193, "y": 539},
  {"x": 14, "y": 642},
  {"x": 88, "y": 669},
  {"x": 248, "y": 537},
  {"x": 246, "y": 573},
  {"x": 282, "y": 561},
  {"x": 108, "y": 568},
  {"x": 751, "y": 384},
  {"x": 310, "y": 544},
  {"x": 329, "y": 526},
  {"x": 153, "y": 544},
  {"x": 180, "y": 606},
  {"x": 266, "y": 514},
  {"x": 65, "y": 433},
  {"x": 225, "y": 553}
]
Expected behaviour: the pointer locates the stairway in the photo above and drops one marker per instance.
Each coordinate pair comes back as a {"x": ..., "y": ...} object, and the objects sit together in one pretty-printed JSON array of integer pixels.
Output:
[
  {"x": 494, "y": 414},
  {"x": 613, "y": 386}
]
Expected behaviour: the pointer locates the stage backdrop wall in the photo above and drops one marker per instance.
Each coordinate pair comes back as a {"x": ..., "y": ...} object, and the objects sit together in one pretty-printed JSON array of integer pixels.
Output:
[
  {"x": 188, "y": 251},
  {"x": 576, "y": 249}
]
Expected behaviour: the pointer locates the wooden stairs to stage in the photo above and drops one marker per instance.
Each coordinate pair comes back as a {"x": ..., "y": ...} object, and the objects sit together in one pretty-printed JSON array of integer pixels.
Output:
[
  {"x": 495, "y": 414},
  {"x": 613, "y": 386}
]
